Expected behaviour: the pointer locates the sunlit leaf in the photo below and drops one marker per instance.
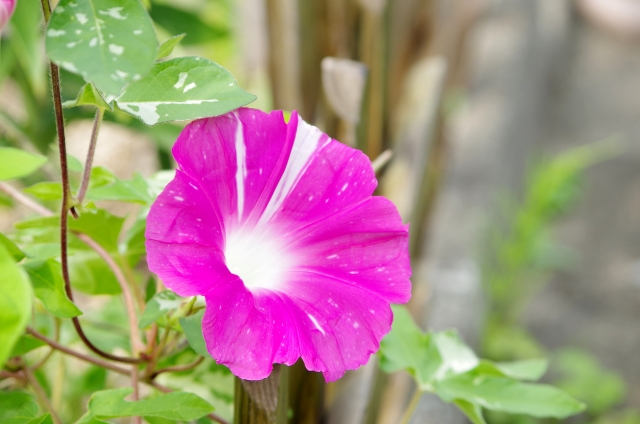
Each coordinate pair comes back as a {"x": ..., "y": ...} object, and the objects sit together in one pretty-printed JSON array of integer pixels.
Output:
[
  {"x": 11, "y": 247},
  {"x": 506, "y": 395},
  {"x": 48, "y": 286},
  {"x": 88, "y": 96},
  {"x": 158, "y": 306},
  {"x": 192, "y": 327},
  {"x": 109, "y": 42},
  {"x": 175, "y": 405},
  {"x": 183, "y": 88},
  {"x": 46, "y": 190},
  {"x": 16, "y": 163},
  {"x": 26, "y": 344},
  {"x": 16, "y": 407},
  {"x": 406, "y": 347},
  {"x": 15, "y": 303},
  {"x": 168, "y": 45}
]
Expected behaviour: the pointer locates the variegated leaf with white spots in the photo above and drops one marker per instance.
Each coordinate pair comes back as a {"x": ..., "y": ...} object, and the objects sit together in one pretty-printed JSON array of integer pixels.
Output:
[
  {"x": 108, "y": 42},
  {"x": 181, "y": 89}
]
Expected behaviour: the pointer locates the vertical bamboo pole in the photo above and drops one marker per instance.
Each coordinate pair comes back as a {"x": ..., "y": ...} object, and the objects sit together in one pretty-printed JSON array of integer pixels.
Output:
[{"x": 263, "y": 401}]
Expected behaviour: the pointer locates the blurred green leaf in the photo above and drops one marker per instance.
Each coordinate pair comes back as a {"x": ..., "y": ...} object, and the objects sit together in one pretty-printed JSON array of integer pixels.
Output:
[
  {"x": 46, "y": 190},
  {"x": 101, "y": 226},
  {"x": 48, "y": 286},
  {"x": 26, "y": 39},
  {"x": 88, "y": 96},
  {"x": 192, "y": 327},
  {"x": 530, "y": 369},
  {"x": 11, "y": 247},
  {"x": 456, "y": 356},
  {"x": 158, "y": 306},
  {"x": 16, "y": 163},
  {"x": 135, "y": 190},
  {"x": 407, "y": 347},
  {"x": 168, "y": 45},
  {"x": 584, "y": 378},
  {"x": 471, "y": 410},
  {"x": 26, "y": 344},
  {"x": 109, "y": 42},
  {"x": 91, "y": 275},
  {"x": 43, "y": 419},
  {"x": 17, "y": 407},
  {"x": 15, "y": 303},
  {"x": 183, "y": 88},
  {"x": 503, "y": 394},
  {"x": 175, "y": 405},
  {"x": 177, "y": 21}
]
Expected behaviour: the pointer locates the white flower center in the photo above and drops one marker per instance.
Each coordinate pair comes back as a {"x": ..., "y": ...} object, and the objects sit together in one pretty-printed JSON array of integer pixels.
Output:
[{"x": 258, "y": 258}]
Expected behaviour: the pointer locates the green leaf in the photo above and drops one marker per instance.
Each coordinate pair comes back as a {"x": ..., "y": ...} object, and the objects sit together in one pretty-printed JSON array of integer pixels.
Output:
[
  {"x": 17, "y": 407},
  {"x": 506, "y": 395},
  {"x": 456, "y": 356},
  {"x": 167, "y": 46},
  {"x": 135, "y": 191},
  {"x": 44, "y": 419},
  {"x": 45, "y": 190},
  {"x": 158, "y": 306},
  {"x": 16, "y": 163},
  {"x": 15, "y": 303},
  {"x": 406, "y": 347},
  {"x": 183, "y": 88},
  {"x": 176, "y": 21},
  {"x": 11, "y": 247},
  {"x": 101, "y": 226},
  {"x": 175, "y": 405},
  {"x": 26, "y": 344},
  {"x": 88, "y": 95},
  {"x": 530, "y": 369},
  {"x": 48, "y": 286},
  {"x": 26, "y": 43},
  {"x": 192, "y": 327},
  {"x": 74, "y": 164},
  {"x": 91, "y": 275},
  {"x": 109, "y": 42},
  {"x": 471, "y": 410}
]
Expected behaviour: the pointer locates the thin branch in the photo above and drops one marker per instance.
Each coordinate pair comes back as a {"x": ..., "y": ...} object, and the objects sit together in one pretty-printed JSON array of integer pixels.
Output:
[
  {"x": 179, "y": 368},
  {"x": 136, "y": 392},
  {"x": 96, "y": 361},
  {"x": 26, "y": 201},
  {"x": 86, "y": 174},
  {"x": 40, "y": 393},
  {"x": 408, "y": 413},
  {"x": 382, "y": 160},
  {"x": 136, "y": 344}
]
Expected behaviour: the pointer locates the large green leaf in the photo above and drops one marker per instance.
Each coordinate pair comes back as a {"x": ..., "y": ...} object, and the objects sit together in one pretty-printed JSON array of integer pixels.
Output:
[
  {"x": 17, "y": 407},
  {"x": 48, "y": 286},
  {"x": 109, "y": 42},
  {"x": 16, "y": 163},
  {"x": 406, "y": 347},
  {"x": 174, "y": 406},
  {"x": 183, "y": 88},
  {"x": 158, "y": 306},
  {"x": 192, "y": 326},
  {"x": 15, "y": 303},
  {"x": 506, "y": 395},
  {"x": 11, "y": 247}
]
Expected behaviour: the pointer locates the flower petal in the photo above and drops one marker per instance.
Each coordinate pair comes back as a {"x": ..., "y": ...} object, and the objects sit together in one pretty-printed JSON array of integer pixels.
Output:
[
  {"x": 366, "y": 246},
  {"x": 235, "y": 159}
]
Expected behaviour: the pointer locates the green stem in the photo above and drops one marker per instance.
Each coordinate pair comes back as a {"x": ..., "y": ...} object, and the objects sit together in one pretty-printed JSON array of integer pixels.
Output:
[
  {"x": 408, "y": 413},
  {"x": 86, "y": 174}
]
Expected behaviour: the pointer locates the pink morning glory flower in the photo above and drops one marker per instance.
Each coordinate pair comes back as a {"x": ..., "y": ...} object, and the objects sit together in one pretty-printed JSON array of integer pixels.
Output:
[
  {"x": 275, "y": 224},
  {"x": 6, "y": 10}
]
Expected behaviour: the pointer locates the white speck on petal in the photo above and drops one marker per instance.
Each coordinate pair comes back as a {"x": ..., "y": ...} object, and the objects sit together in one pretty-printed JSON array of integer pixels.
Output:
[
  {"x": 179, "y": 199},
  {"x": 181, "y": 79},
  {"x": 55, "y": 32},
  {"x": 189, "y": 87},
  {"x": 113, "y": 12},
  {"x": 115, "y": 49},
  {"x": 315, "y": 323},
  {"x": 82, "y": 18}
]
